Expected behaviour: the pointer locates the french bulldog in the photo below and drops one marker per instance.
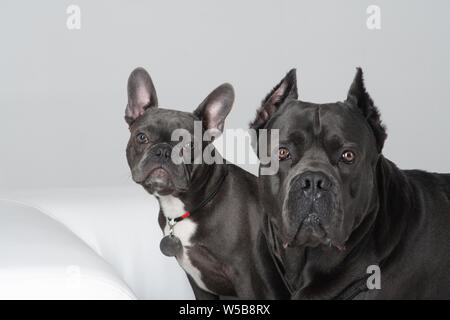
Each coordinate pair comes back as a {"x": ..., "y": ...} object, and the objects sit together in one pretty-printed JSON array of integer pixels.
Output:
[
  {"x": 223, "y": 249},
  {"x": 343, "y": 222}
]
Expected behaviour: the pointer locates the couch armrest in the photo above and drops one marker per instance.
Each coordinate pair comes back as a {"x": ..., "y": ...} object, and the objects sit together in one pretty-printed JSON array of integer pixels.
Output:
[
  {"x": 42, "y": 259},
  {"x": 120, "y": 224}
]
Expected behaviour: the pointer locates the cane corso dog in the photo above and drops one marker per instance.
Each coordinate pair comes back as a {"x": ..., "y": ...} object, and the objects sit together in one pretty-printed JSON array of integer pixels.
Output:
[
  {"x": 343, "y": 222},
  {"x": 209, "y": 213}
]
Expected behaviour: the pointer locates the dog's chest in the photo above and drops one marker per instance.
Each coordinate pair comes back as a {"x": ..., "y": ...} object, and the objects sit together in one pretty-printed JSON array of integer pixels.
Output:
[{"x": 173, "y": 207}]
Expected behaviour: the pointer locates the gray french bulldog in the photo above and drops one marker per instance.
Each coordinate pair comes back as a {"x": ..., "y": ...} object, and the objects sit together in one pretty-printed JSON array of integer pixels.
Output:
[
  {"x": 220, "y": 243},
  {"x": 342, "y": 220}
]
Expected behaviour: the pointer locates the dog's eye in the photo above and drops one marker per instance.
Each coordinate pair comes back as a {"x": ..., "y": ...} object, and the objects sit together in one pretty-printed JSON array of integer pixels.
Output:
[
  {"x": 283, "y": 153},
  {"x": 142, "y": 138},
  {"x": 348, "y": 156}
]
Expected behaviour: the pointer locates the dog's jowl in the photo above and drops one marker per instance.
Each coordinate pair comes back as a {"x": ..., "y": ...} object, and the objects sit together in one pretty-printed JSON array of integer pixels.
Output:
[
  {"x": 210, "y": 213},
  {"x": 338, "y": 208}
]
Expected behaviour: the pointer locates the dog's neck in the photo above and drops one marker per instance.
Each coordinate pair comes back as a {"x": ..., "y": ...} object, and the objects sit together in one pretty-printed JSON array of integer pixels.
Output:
[
  {"x": 326, "y": 272},
  {"x": 203, "y": 181}
]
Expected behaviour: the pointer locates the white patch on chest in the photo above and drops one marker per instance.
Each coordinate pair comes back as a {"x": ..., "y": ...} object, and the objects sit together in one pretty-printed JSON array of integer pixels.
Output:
[{"x": 173, "y": 207}]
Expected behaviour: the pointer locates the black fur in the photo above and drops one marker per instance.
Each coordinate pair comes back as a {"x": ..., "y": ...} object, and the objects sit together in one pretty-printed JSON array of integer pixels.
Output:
[
  {"x": 271, "y": 103},
  {"x": 362, "y": 213},
  {"x": 228, "y": 247},
  {"x": 359, "y": 96}
]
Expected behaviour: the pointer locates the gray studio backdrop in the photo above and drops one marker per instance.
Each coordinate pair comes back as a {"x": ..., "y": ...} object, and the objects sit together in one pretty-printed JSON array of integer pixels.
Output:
[{"x": 62, "y": 92}]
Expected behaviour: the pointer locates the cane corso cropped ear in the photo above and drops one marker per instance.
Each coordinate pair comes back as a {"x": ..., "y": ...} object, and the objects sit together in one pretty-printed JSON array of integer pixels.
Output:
[{"x": 343, "y": 221}]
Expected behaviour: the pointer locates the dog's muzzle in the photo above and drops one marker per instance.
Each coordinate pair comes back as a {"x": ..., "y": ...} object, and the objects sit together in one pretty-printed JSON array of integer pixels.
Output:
[
  {"x": 157, "y": 173},
  {"x": 309, "y": 207}
]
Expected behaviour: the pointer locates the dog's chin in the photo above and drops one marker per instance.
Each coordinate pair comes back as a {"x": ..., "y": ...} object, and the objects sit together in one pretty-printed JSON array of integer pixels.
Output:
[
  {"x": 309, "y": 236},
  {"x": 312, "y": 232},
  {"x": 159, "y": 182},
  {"x": 159, "y": 190}
]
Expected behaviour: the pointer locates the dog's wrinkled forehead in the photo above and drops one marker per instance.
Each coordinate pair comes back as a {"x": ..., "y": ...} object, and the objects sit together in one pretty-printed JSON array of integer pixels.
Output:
[
  {"x": 164, "y": 121},
  {"x": 336, "y": 121}
]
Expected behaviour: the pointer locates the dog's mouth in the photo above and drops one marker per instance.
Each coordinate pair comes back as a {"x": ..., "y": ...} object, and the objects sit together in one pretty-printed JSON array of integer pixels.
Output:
[
  {"x": 159, "y": 180},
  {"x": 311, "y": 231},
  {"x": 311, "y": 216}
]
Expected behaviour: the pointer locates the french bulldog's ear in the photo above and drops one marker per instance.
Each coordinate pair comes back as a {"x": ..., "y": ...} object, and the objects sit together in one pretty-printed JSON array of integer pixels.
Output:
[
  {"x": 141, "y": 94},
  {"x": 215, "y": 108},
  {"x": 286, "y": 89},
  {"x": 358, "y": 96}
]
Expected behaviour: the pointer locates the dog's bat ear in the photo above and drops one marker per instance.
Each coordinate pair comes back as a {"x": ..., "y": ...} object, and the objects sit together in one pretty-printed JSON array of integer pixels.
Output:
[
  {"x": 358, "y": 96},
  {"x": 215, "y": 108},
  {"x": 141, "y": 94},
  {"x": 286, "y": 89}
]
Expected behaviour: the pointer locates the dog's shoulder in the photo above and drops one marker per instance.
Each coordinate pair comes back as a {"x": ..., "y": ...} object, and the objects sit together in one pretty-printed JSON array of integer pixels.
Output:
[
  {"x": 430, "y": 182},
  {"x": 244, "y": 188},
  {"x": 242, "y": 176},
  {"x": 415, "y": 181}
]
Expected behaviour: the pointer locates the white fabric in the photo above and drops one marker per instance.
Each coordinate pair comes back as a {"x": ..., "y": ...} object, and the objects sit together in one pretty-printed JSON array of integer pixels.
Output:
[
  {"x": 120, "y": 224},
  {"x": 42, "y": 259}
]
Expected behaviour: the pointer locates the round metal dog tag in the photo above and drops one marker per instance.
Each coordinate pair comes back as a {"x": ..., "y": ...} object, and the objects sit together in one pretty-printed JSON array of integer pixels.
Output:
[{"x": 170, "y": 245}]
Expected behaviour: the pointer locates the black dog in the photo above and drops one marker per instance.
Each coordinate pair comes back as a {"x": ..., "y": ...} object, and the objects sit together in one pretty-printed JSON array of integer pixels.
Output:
[
  {"x": 220, "y": 245},
  {"x": 337, "y": 206}
]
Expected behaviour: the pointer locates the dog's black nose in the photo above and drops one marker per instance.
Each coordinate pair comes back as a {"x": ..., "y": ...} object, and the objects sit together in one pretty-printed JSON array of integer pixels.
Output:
[
  {"x": 313, "y": 183},
  {"x": 163, "y": 152}
]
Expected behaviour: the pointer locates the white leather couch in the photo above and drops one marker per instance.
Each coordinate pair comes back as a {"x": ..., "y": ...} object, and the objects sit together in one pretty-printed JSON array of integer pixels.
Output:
[{"x": 85, "y": 243}]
